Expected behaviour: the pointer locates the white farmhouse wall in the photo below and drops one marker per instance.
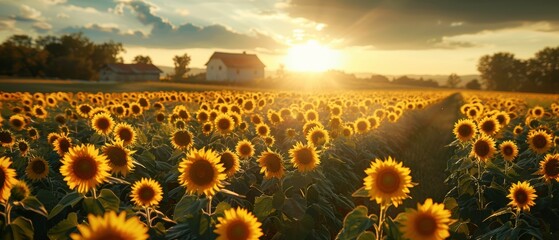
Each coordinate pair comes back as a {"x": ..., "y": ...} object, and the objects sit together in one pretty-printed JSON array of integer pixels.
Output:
[
  {"x": 244, "y": 74},
  {"x": 216, "y": 71}
]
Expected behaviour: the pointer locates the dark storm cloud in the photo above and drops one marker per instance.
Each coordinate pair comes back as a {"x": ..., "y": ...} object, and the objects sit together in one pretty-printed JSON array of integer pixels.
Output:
[
  {"x": 419, "y": 24},
  {"x": 165, "y": 35}
]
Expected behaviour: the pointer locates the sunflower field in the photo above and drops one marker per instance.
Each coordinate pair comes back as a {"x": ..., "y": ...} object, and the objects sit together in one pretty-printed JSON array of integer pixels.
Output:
[{"x": 277, "y": 165}]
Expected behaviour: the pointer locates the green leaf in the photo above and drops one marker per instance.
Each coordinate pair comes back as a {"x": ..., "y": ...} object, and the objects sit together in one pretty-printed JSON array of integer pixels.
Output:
[
  {"x": 92, "y": 206},
  {"x": 499, "y": 213},
  {"x": 263, "y": 207},
  {"x": 109, "y": 200},
  {"x": 361, "y": 192},
  {"x": 278, "y": 200},
  {"x": 221, "y": 207},
  {"x": 188, "y": 207},
  {"x": 63, "y": 229},
  {"x": 31, "y": 203},
  {"x": 450, "y": 203},
  {"x": 355, "y": 223},
  {"x": 295, "y": 207},
  {"x": 21, "y": 228},
  {"x": 231, "y": 193},
  {"x": 366, "y": 235},
  {"x": 70, "y": 199}
]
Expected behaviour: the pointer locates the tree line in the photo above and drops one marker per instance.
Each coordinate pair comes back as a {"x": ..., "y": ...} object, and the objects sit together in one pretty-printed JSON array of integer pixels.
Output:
[
  {"x": 71, "y": 56},
  {"x": 502, "y": 71}
]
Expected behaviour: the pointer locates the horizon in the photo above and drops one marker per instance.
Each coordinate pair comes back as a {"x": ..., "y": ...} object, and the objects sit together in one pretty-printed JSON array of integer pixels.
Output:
[{"x": 388, "y": 38}]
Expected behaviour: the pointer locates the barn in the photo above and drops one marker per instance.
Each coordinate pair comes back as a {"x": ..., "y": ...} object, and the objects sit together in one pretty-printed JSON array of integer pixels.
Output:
[
  {"x": 129, "y": 72},
  {"x": 235, "y": 67}
]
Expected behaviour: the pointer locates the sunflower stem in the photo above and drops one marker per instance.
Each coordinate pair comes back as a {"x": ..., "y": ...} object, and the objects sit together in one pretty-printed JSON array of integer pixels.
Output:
[
  {"x": 479, "y": 175},
  {"x": 382, "y": 216},
  {"x": 210, "y": 206},
  {"x": 517, "y": 215},
  {"x": 94, "y": 192},
  {"x": 148, "y": 216},
  {"x": 8, "y": 213}
]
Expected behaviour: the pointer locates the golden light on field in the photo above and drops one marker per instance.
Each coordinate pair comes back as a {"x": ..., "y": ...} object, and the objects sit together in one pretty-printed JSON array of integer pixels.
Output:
[{"x": 311, "y": 57}]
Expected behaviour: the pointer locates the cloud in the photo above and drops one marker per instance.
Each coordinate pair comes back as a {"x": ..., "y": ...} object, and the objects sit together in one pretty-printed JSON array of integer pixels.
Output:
[
  {"x": 7, "y": 25},
  {"x": 412, "y": 24},
  {"x": 54, "y": 1},
  {"x": 62, "y": 16},
  {"x": 164, "y": 34},
  {"x": 27, "y": 14},
  {"x": 182, "y": 11},
  {"x": 42, "y": 27}
]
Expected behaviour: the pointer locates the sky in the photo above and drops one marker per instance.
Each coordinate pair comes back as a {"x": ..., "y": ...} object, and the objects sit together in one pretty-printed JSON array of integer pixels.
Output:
[{"x": 390, "y": 37}]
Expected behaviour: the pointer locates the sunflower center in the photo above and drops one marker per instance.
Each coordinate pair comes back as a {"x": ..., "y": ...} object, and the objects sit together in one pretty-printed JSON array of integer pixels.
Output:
[
  {"x": 39, "y": 112},
  {"x": 237, "y": 230},
  {"x": 488, "y": 126},
  {"x": 552, "y": 167},
  {"x": 182, "y": 138},
  {"x": 116, "y": 155},
  {"x": 2, "y": 178},
  {"x": 84, "y": 167},
  {"x": 538, "y": 112},
  {"x": 316, "y": 136},
  {"x": 146, "y": 193},
  {"x": 85, "y": 109},
  {"x": 183, "y": 114},
  {"x": 361, "y": 126},
  {"x": 108, "y": 234},
  {"x": 227, "y": 160},
  {"x": 224, "y": 124},
  {"x": 273, "y": 163},
  {"x": 64, "y": 144},
  {"x": 202, "y": 172},
  {"x": 136, "y": 109},
  {"x": 501, "y": 119},
  {"x": 472, "y": 112},
  {"x": 426, "y": 225},
  {"x": 17, "y": 123},
  {"x": 125, "y": 134},
  {"x": 22, "y": 146},
  {"x": 38, "y": 167},
  {"x": 5, "y": 137},
  {"x": 262, "y": 130},
  {"x": 304, "y": 156},
  {"x": 103, "y": 124},
  {"x": 245, "y": 149},
  {"x": 481, "y": 148},
  {"x": 465, "y": 130},
  {"x": 520, "y": 197},
  {"x": 388, "y": 181},
  {"x": 207, "y": 127},
  {"x": 539, "y": 141},
  {"x": 507, "y": 150}
]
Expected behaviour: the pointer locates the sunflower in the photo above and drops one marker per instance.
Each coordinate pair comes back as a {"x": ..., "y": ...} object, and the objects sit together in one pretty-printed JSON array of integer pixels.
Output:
[
  {"x": 52, "y": 137},
  {"x": 310, "y": 125},
  {"x": 7, "y": 140},
  {"x": 19, "y": 191},
  {"x": 125, "y": 133},
  {"x": 160, "y": 117},
  {"x": 136, "y": 109},
  {"x": 84, "y": 168},
  {"x": 539, "y": 141},
  {"x": 23, "y": 147},
  {"x": 517, "y": 130},
  {"x": 207, "y": 128},
  {"x": 549, "y": 167},
  {"x": 290, "y": 133},
  {"x": 230, "y": 162},
  {"x": 200, "y": 172},
  {"x": 388, "y": 181},
  {"x": 262, "y": 130},
  {"x": 522, "y": 196},
  {"x": 318, "y": 136},
  {"x": 40, "y": 112},
  {"x": 362, "y": 125},
  {"x": 182, "y": 139},
  {"x": 146, "y": 192},
  {"x": 304, "y": 157},
  {"x": 245, "y": 149},
  {"x": 311, "y": 115},
  {"x": 238, "y": 224},
  {"x": 37, "y": 169},
  {"x": 537, "y": 112},
  {"x": 33, "y": 133},
  {"x": 62, "y": 144},
  {"x": 17, "y": 122},
  {"x": 472, "y": 113},
  {"x": 60, "y": 119},
  {"x": 271, "y": 164},
  {"x": 508, "y": 150},
  {"x": 102, "y": 123},
  {"x": 429, "y": 222},
  {"x": 202, "y": 116},
  {"x": 374, "y": 122},
  {"x": 489, "y": 126},
  {"x": 83, "y": 110},
  {"x": 483, "y": 148},
  {"x": 224, "y": 124},
  {"x": 465, "y": 130},
  {"x": 503, "y": 118},
  {"x": 119, "y": 158},
  {"x": 274, "y": 117},
  {"x": 111, "y": 226},
  {"x": 7, "y": 178}
]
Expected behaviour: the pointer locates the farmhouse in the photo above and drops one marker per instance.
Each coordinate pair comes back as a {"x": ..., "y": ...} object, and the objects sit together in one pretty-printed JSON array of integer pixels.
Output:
[
  {"x": 234, "y": 67},
  {"x": 129, "y": 72}
]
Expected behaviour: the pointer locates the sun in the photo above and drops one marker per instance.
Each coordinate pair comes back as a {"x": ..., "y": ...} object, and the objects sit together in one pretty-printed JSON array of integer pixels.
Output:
[{"x": 311, "y": 57}]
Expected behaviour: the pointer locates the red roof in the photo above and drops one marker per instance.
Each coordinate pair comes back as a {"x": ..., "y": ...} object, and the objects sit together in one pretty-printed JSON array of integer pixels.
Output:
[
  {"x": 238, "y": 60},
  {"x": 133, "y": 68}
]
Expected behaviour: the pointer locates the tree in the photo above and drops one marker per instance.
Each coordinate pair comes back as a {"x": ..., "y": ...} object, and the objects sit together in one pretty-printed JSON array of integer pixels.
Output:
[
  {"x": 181, "y": 66},
  {"x": 142, "y": 59},
  {"x": 502, "y": 72},
  {"x": 473, "y": 84},
  {"x": 453, "y": 80},
  {"x": 543, "y": 71},
  {"x": 280, "y": 73}
]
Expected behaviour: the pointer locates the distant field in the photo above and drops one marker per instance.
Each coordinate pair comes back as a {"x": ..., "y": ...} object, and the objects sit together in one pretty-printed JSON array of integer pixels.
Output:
[{"x": 40, "y": 85}]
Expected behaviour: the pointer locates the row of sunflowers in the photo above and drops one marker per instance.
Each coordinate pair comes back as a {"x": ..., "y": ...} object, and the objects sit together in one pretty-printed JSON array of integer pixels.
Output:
[{"x": 219, "y": 164}]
